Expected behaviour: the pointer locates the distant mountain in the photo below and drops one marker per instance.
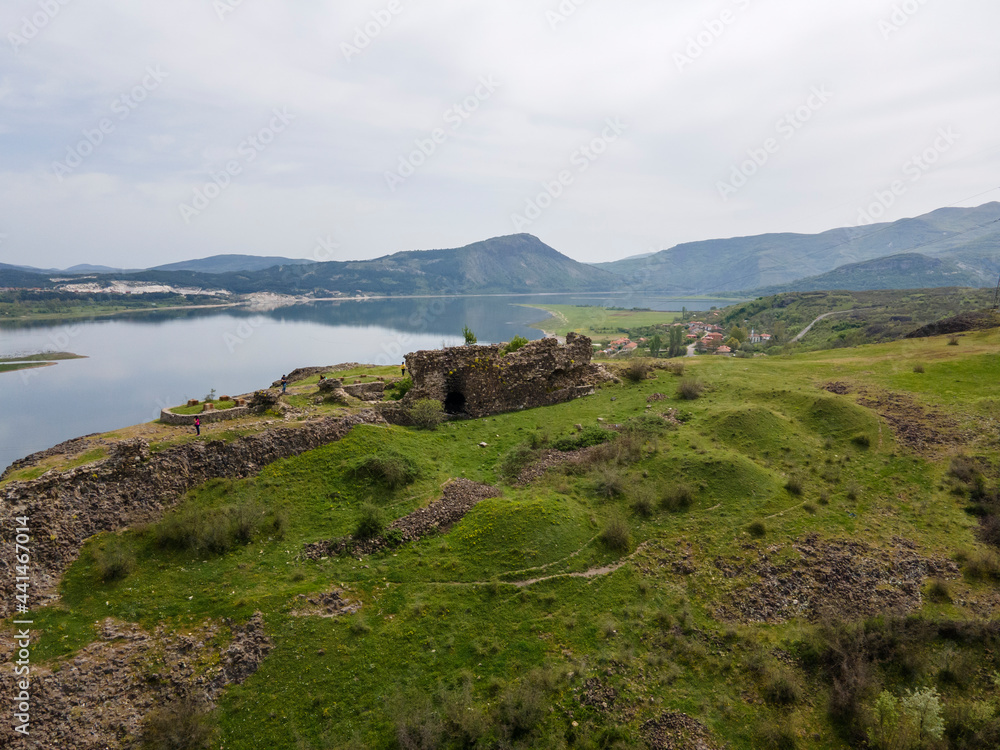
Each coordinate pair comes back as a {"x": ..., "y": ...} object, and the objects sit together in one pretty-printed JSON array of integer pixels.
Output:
[
  {"x": 903, "y": 271},
  {"x": 231, "y": 264},
  {"x": 504, "y": 265},
  {"x": 969, "y": 237}
]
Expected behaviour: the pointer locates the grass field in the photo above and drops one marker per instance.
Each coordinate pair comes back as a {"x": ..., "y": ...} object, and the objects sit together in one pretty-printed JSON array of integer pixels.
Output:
[
  {"x": 599, "y": 323},
  {"x": 643, "y": 561}
]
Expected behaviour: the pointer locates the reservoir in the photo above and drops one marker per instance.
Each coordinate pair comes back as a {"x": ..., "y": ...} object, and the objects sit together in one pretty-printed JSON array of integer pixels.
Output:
[{"x": 138, "y": 363}]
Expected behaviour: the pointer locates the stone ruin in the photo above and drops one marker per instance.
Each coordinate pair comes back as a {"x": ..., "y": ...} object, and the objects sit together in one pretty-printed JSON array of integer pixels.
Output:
[{"x": 476, "y": 381}]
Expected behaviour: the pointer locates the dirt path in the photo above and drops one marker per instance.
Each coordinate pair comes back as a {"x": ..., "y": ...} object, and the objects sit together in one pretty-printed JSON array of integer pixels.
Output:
[
  {"x": 824, "y": 316},
  {"x": 592, "y": 573}
]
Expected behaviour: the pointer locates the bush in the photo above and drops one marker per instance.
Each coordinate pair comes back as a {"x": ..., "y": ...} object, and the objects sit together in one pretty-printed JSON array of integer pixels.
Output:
[
  {"x": 389, "y": 468},
  {"x": 794, "y": 486},
  {"x": 679, "y": 497},
  {"x": 780, "y": 690},
  {"x": 625, "y": 448},
  {"x": 608, "y": 482},
  {"x": 938, "y": 591},
  {"x": 427, "y": 413},
  {"x": 514, "y": 344},
  {"x": 690, "y": 390},
  {"x": 953, "y": 340},
  {"x": 469, "y": 336},
  {"x": 217, "y": 530},
  {"x": 906, "y": 722},
  {"x": 862, "y": 441},
  {"x": 637, "y": 371},
  {"x": 757, "y": 530},
  {"x": 371, "y": 522},
  {"x": 395, "y": 391},
  {"x": 918, "y": 368},
  {"x": 675, "y": 368},
  {"x": 516, "y": 460},
  {"x": 642, "y": 502},
  {"x": 587, "y": 437},
  {"x": 982, "y": 566},
  {"x": 616, "y": 535},
  {"x": 182, "y": 725},
  {"x": 114, "y": 560}
]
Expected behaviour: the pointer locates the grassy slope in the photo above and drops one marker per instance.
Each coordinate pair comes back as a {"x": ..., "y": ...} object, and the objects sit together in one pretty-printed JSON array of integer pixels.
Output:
[{"x": 438, "y": 618}]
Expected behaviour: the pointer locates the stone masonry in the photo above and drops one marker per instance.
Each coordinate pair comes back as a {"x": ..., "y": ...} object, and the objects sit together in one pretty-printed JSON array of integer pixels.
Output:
[{"x": 476, "y": 381}]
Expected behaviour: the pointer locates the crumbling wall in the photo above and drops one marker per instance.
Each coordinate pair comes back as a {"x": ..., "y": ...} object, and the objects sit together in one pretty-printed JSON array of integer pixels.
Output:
[{"x": 477, "y": 381}]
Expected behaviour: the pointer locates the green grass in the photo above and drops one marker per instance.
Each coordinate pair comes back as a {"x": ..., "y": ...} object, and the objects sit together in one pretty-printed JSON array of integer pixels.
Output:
[
  {"x": 200, "y": 408},
  {"x": 443, "y": 622}
]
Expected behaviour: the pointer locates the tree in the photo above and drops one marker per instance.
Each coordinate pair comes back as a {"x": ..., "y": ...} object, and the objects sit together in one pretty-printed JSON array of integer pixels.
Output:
[
  {"x": 676, "y": 347},
  {"x": 778, "y": 333},
  {"x": 470, "y": 337},
  {"x": 738, "y": 333},
  {"x": 655, "y": 344}
]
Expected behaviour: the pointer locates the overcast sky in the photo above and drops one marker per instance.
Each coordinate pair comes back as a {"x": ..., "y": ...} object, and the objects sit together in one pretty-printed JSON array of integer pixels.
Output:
[{"x": 137, "y": 133}]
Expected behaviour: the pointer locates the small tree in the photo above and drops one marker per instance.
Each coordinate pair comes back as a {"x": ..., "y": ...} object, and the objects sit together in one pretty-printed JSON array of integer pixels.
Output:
[
  {"x": 427, "y": 413},
  {"x": 470, "y": 337},
  {"x": 655, "y": 345},
  {"x": 515, "y": 343}
]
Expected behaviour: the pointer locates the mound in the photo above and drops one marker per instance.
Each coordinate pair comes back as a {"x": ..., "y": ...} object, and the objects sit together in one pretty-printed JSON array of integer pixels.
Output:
[
  {"x": 832, "y": 417},
  {"x": 973, "y": 321},
  {"x": 754, "y": 429}
]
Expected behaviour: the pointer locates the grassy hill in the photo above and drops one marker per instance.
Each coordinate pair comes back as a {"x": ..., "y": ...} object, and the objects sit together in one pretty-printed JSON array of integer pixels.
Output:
[
  {"x": 230, "y": 264},
  {"x": 966, "y": 236},
  {"x": 764, "y": 566}
]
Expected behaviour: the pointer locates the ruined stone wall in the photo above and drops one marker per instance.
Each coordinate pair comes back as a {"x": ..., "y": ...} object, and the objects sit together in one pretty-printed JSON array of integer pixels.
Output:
[
  {"x": 220, "y": 415},
  {"x": 133, "y": 486},
  {"x": 476, "y": 381}
]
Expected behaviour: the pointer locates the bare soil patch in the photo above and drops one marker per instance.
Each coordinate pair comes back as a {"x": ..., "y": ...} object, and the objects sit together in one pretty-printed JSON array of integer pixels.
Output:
[{"x": 916, "y": 427}]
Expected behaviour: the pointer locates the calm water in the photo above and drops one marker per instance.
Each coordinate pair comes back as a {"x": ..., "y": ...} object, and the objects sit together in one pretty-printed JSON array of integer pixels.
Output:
[{"x": 141, "y": 362}]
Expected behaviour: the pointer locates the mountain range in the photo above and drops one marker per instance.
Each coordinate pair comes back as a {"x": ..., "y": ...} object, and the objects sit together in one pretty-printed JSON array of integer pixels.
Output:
[{"x": 947, "y": 247}]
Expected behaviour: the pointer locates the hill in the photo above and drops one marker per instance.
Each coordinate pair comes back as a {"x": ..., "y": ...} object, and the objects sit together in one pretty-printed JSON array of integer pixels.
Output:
[
  {"x": 903, "y": 271},
  {"x": 807, "y": 546},
  {"x": 968, "y": 236},
  {"x": 230, "y": 264},
  {"x": 503, "y": 265}
]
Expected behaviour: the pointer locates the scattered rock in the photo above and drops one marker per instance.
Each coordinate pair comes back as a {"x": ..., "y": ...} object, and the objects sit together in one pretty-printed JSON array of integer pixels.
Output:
[{"x": 677, "y": 731}]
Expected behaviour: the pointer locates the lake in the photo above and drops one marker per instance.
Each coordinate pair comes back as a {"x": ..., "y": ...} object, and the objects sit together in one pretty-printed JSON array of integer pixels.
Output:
[{"x": 138, "y": 363}]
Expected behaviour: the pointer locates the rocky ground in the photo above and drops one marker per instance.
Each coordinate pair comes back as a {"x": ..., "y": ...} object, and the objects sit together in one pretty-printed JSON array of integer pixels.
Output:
[
  {"x": 677, "y": 731},
  {"x": 99, "y": 697}
]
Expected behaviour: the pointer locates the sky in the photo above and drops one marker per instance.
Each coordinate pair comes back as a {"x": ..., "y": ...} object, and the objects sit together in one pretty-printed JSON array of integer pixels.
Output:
[{"x": 137, "y": 134}]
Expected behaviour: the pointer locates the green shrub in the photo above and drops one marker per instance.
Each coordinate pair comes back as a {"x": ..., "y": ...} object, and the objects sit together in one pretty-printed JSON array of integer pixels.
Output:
[
  {"x": 982, "y": 566},
  {"x": 679, "y": 497},
  {"x": 516, "y": 460},
  {"x": 395, "y": 391},
  {"x": 514, "y": 344},
  {"x": 371, "y": 522},
  {"x": 388, "y": 467},
  {"x": 469, "y": 336},
  {"x": 690, "y": 389},
  {"x": 427, "y": 413},
  {"x": 794, "y": 486},
  {"x": 587, "y": 437},
  {"x": 616, "y": 535},
  {"x": 918, "y": 368},
  {"x": 907, "y": 722},
  {"x": 217, "y": 530},
  {"x": 862, "y": 441},
  {"x": 757, "y": 530},
  {"x": 780, "y": 689},
  {"x": 114, "y": 560},
  {"x": 637, "y": 371},
  {"x": 608, "y": 482},
  {"x": 938, "y": 591},
  {"x": 953, "y": 340},
  {"x": 182, "y": 725},
  {"x": 643, "y": 503}
]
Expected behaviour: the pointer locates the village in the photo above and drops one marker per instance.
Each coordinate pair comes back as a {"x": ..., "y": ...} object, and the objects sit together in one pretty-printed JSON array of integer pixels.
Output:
[{"x": 698, "y": 338}]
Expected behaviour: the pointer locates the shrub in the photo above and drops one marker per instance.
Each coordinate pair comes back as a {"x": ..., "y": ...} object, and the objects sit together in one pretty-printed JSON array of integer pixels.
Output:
[
  {"x": 114, "y": 560},
  {"x": 862, "y": 441},
  {"x": 637, "y": 371},
  {"x": 794, "y": 485},
  {"x": 389, "y": 468},
  {"x": 675, "y": 368},
  {"x": 625, "y": 448},
  {"x": 395, "y": 391},
  {"x": 953, "y": 340},
  {"x": 965, "y": 469},
  {"x": 780, "y": 690},
  {"x": 809, "y": 508},
  {"x": 427, "y": 413},
  {"x": 371, "y": 522},
  {"x": 616, "y": 535},
  {"x": 938, "y": 591},
  {"x": 678, "y": 497},
  {"x": 982, "y": 566},
  {"x": 690, "y": 389},
  {"x": 587, "y": 437},
  {"x": 646, "y": 425},
  {"x": 608, "y": 482},
  {"x": 906, "y": 722},
  {"x": 514, "y": 344},
  {"x": 182, "y": 725},
  {"x": 217, "y": 530},
  {"x": 470, "y": 337},
  {"x": 918, "y": 368},
  {"x": 757, "y": 530},
  {"x": 642, "y": 503},
  {"x": 516, "y": 460}
]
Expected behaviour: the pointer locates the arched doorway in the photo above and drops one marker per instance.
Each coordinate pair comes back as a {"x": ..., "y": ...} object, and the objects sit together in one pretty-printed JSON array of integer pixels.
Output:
[{"x": 454, "y": 403}]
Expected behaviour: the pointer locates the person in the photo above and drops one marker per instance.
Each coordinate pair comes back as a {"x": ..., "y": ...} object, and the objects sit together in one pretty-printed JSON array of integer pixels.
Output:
[
  {"x": 284, "y": 383},
  {"x": 402, "y": 370},
  {"x": 197, "y": 425}
]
